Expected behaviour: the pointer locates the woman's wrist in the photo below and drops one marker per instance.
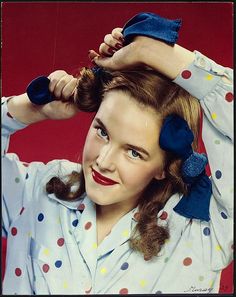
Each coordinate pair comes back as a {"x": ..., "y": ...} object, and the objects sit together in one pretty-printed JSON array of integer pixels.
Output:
[
  {"x": 168, "y": 60},
  {"x": 21, "y": 108}
]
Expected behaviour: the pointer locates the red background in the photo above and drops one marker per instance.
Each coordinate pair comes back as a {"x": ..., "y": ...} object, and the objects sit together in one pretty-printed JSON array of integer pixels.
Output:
[{"x": 38, "y": 38}]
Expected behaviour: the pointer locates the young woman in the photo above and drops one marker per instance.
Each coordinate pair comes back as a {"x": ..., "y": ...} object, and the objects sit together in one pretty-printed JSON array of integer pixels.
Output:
[{"x": 115, "y": 224}]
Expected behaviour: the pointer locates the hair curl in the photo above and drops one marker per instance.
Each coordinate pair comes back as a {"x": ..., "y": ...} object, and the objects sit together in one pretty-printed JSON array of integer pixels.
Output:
[{"x": 148, "y": 88}]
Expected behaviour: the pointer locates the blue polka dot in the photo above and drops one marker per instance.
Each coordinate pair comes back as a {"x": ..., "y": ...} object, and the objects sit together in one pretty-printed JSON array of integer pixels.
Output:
[
  {"x": 218, "y": 174},
  {"x": 206, "y": 231},
  {"x": 75, "y": 222},
  {"x": 27, "y": 175},
  {"x": 224, "y": 216},
  {"x": 40, "y": 217},
  {"x": 124, "y": 266},
  {"x": 58, "y": 263}
]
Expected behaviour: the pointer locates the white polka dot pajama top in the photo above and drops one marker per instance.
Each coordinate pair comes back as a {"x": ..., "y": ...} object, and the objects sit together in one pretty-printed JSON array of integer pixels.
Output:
[{"x": 52, "y": 243}]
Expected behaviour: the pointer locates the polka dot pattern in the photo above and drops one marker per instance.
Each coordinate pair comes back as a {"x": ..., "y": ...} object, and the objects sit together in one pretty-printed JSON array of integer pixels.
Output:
[
  {"x": 124, "y": 266},
  {"x": 214, "y": 116},
  {"x": 60, "y": 241},
  {"x": 46, "y": 268},
  {"x": 186, "y": 74},
  {"x": 40, "y": 217},
  {"x": 17, "y": 180},
  {"x": 75, "y": 222},
  {"x": 81, "y": 207},
  {"x": 137, "y": 216},
  {"x": 164, "y": 215},
  {"x": 123, "y": 291},
  {"x": 18, "y": 272},
  {"x": 206, "y": 231},
  {"x": 217, "y": 141},
  {"x": 229, "y": 97},
  {"x": 58, "y": 263},
  {"x": 187, "y": 261},
  {"x": 218, "y": 174},
  {"x": 88, "y": 225},
  {"x": 13, "y": 231},
  {"x": 209, "y": 77},
  {"x": 223, "y": 215}
]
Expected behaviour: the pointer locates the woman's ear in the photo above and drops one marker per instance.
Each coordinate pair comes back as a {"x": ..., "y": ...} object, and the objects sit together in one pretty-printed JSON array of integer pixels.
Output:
[{"x": 160, "y": 175}]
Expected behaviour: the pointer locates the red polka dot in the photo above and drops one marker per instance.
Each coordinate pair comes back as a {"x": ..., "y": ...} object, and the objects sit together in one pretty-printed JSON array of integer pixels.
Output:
[
  {"x": 186, "y": 74},
  {"x": 45, "y": 268},
  {"x": 21, "y": 211},
  {"x": 18, "y": 272},
  {"x": 81, "y": 206},
  {"x": 164, "y": 215},
  {"x": 137, "y": 216},
  {"x": 124, "y": 291},
  {"x": 13, "y": 231},
  {"x": 88, "y": 291},
  {"x": 187, "y": 261},
  {"x": 229, "y": 97},
  {"x": 9, "y": 115},
  {"x": 88, "y": 225},
  {"x": 60, "y": 241}
]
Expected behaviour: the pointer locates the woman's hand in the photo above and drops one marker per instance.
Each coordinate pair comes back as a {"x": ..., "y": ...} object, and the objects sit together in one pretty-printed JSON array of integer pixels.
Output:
[
  {"x": 62, "y": 86},
  {"x": 141, "y": 52}
]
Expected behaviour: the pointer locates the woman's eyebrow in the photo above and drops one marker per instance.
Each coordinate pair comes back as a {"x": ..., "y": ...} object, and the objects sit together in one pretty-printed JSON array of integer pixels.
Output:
[{"x": 131, "y": 146}]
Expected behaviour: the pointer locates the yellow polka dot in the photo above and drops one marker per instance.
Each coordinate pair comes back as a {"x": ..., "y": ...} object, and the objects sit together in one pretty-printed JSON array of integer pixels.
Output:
[
  {"x": 143, "y": 283},
  {"x": 65, "y": 285},
  {"x": 211, "y": 284},
  {"x": 218, "y": 248},
  {"x": 213, "y": 115},
  {"x": 125, "y": 233},
  {"x": 208, "y": 77},
  {"x": 103, "y": 270},
  {"x": 189, "y": 244},
  {"x": 94, "y": 245},
  {"x": 46, "y": 252}
]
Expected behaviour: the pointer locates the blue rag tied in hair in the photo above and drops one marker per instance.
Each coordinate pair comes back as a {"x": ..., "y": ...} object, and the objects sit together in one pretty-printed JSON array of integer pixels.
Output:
[
  {"x": 152, "y": 25},
  {"x": 176, "y": 137}
]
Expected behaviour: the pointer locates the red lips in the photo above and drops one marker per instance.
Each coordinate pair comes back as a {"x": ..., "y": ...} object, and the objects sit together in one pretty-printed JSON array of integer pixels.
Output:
[{"x": 102, "y": 180}]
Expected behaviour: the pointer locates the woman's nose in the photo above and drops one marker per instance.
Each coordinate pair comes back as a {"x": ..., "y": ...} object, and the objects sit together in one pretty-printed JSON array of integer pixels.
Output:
[{"x": 106, "y": 158}]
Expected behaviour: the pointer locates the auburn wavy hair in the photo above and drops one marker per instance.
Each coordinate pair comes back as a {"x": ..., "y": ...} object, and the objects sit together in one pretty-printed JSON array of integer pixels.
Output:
[{"x": 148, "y": 88}]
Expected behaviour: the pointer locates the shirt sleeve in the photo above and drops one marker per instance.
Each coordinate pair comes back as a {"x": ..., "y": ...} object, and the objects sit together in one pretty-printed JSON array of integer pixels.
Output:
[
  {"x": 21, "y": 181},
  {"x": 212, "y": 84}
]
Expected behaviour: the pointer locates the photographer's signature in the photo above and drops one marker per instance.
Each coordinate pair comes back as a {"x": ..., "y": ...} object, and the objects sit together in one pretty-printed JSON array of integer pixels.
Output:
[{"x": 194, "y": 289}]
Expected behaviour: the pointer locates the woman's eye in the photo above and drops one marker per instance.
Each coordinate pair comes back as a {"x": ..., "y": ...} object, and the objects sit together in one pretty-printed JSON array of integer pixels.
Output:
[
  {"x": 134, "y": 154},
  {"x": 102, "y": 133}
]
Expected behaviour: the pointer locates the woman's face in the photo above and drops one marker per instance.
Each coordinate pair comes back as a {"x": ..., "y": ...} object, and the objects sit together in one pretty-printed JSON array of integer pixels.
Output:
[{"x": 121, "y": 153}]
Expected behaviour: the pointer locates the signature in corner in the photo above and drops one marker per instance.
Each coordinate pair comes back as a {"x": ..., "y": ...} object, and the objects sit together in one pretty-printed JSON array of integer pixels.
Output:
[{"x": 198, "y": 290}]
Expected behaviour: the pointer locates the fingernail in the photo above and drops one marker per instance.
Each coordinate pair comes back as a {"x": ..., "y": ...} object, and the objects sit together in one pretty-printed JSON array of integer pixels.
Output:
[
  {"x": 118, "y": 46},
  {"x": 111, "y": 50},
  {"x": 122, "y": 39}
]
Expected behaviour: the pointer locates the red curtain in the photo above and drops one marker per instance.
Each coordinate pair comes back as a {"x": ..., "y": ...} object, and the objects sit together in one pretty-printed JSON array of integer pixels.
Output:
[{"x": 38, "y": 38}]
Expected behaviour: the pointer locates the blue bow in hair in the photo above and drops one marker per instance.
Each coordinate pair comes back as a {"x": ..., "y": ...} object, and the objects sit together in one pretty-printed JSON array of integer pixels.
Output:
[{"x": 176, "y": 137}]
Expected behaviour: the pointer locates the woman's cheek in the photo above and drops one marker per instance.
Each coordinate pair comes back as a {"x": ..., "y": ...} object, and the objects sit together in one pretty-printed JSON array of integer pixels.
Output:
[{"x": 91, "y": 148}]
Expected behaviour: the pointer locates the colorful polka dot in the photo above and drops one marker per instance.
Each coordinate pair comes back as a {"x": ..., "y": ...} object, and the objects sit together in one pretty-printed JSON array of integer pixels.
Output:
[
  {"x": 9, "y": 115},
  {"x": 18, "y": 272},
  {"x": 217, "y": 141},
  {"x": 201, "y": 278},
  {"x": 124, "y": 266},
  {"x": 125, "y": 233},
  {"x": 208, "y": 77},
  {"x": 13, "y": 231},
  {"x": 46, "y": 268},
  {"x": 206, "y": 231},
  {"x": 65, "y": 284},
  {"x": 218, "y": 248},
  {"x": 137, "y": 216},
  {"x": 218, "y": 174},
  {"x": 186, "y": 74},
  {"x": 21, "y": 211},
  {"x": 164, "y": 215},
  {"x": 87, "y": 226},
  {"x": 103, "y": 270},
  {"x": 229, "y": 97},
  {"x": 75, "y": 222},
  {"x": 60, "y": 241},
  {"x": 94, "y": 245},
  {"x": 17, "y": 180},
  {"x": 81, "y": 207},
  {"x": 58, "y": 263},
  {"x": 224, "y": 216},
  {"x": 213, "y": 115},
  {"x": 187, "y": 261},
  {"x": 123, "y": 291},
  {"x": 40, "y": 217},
  {"x": 46, "y": 252},
  {"x": 143, "y": 283}
]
